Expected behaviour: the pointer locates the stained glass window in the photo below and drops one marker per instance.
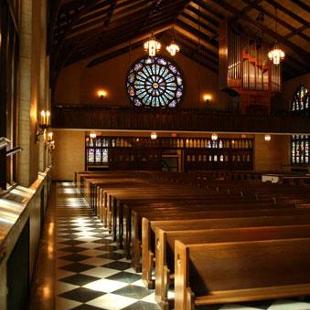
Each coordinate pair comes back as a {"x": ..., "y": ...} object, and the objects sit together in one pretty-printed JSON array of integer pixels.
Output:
[
  {"x": 155, "y": 82},
  {"x": 300, "y": 143},
  {"x": 301, "y": 99},
  {"x": 97, "y": 153}
]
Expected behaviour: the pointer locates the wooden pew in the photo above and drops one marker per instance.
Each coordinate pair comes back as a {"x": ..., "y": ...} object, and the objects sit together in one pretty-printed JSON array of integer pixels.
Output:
[
  {"x": 143, "y": 246},
  {"x": 165, "y": 239},
  {"x": 240, "y": 271}
]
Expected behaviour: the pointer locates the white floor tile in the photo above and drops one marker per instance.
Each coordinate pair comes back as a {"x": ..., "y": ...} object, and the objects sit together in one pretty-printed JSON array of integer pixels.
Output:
[
  {"x": 238, "y": 307},
  {"x": 87, "y": 239},
  {"x": 150, "y": 298},
  {"x": 112, "y": 302},
  {"x": 289, "y": 305},
  {"x": 106, "y": 286}
]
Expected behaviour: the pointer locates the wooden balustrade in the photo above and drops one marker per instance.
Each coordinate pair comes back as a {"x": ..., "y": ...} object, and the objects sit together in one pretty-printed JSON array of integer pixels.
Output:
[{"x": 92, "y": 117}]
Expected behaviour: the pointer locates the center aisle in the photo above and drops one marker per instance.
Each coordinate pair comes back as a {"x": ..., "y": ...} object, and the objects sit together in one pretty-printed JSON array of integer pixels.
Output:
[{"x": 92, "y": 273}]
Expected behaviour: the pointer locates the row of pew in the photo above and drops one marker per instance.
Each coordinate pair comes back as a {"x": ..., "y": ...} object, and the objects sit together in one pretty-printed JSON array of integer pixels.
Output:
[{"x": 210, "y": 240}]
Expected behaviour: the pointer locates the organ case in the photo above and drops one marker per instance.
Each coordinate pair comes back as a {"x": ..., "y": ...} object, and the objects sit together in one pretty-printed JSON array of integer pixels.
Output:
[{"x": 245, "y": 70}]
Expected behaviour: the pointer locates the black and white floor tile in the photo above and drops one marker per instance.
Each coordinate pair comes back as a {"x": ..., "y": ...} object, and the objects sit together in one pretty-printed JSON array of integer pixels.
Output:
[{"x": 92, "y": 273}]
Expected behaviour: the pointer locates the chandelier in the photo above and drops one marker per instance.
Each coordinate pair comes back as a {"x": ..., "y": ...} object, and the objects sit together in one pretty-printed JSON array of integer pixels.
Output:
[
  {"x": 173, "y": 48},
  {"x": 276, "y": 55},
  {"x": 152, "y": 46}
]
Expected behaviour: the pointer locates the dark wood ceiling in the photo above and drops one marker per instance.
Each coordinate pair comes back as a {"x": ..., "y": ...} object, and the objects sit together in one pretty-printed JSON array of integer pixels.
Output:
[{"x": 97, "y": 30}]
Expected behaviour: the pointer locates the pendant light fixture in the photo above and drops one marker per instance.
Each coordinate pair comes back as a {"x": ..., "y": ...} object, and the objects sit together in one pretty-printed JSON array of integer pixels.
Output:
[
  {"x": 152, "y": 46},
  {"x": 173, "y": 48},
  {"x": 276, "y": 54}
]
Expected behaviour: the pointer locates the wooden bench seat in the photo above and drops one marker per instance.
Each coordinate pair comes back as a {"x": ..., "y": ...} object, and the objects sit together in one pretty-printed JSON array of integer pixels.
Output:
[
  {"x": 240, "y": 271},
  {"x": 143, "y": 246},
  {"x": 165, "y": 239}
]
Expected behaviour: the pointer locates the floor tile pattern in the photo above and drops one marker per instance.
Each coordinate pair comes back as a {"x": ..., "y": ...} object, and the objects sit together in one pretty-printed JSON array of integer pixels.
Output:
[{"x": 92, "y": 273}]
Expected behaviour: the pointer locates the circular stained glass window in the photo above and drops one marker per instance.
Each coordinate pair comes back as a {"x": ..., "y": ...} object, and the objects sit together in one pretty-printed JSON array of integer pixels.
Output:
[{"x": 155, "y": 82}]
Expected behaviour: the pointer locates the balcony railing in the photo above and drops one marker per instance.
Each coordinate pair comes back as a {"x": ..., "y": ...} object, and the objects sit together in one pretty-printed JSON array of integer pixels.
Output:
[{"x": 94, "y": 117}]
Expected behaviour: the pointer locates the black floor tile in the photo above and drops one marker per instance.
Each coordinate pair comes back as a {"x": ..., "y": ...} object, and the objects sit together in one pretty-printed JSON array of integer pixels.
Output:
[
  {"x": 74, "y": 257},
  {"x": 125, "y": 277},
  {"x": 73, "y": 249},
  {"x": 72, "y": 242},
  {"x": 118, "y": 265},
  {"x": 79, "y": 279},
  {"x": 141, "y": 305},
  {"x": 108, "y": 248},
  {"x": 133, "y": 291},
  {"x": 77, "y": 267},
  {"x": 81, "y": 294},
  {"x": 112, "y": 255},
  {"x": 103, "y": 241}
]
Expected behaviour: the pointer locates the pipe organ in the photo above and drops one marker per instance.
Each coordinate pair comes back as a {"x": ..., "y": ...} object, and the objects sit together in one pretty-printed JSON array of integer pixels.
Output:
[{"x": 246, "y": 70}]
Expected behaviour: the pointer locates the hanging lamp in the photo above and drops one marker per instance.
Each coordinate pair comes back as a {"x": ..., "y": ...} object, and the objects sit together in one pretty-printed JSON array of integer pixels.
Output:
[
  {"x": 173, "y": 48},
  {"x": 152, "y": 46},
  {"x": 276, "y": 54}
]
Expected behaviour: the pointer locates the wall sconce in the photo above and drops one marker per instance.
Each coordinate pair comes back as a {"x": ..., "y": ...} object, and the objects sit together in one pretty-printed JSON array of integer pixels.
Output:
[
  {"x": 102, "y": 94},
  {"x": 214, "y": 137},
  {"x": 93, "y": 135},
  {"x": 153, "y": 135},
  {"x": 44, "y": 124},
  {"x": 50, "y": 143},
  {"x": 267, "y": 138},
  {"x": 207, "y": 98}
]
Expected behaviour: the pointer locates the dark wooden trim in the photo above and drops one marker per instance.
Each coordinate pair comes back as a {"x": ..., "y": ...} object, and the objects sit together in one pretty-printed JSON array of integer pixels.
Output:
[{"x": 96, "y": 117}]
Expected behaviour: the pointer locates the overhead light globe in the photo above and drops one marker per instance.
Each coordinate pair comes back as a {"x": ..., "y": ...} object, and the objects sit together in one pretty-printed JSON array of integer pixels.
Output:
[
  {"x": 267, "y": 138},
  {"x": 153, "y": 135},
  {"x": 214, "y": 137},
  {"x": 173, "y": 48},
  {"x": 276, "y": 55},
  {"x": 152, "y": 46}
]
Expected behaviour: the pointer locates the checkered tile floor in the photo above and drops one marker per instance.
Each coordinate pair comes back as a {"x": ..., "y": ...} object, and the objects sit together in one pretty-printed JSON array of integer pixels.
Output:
[{"x": 92, "y": 273}]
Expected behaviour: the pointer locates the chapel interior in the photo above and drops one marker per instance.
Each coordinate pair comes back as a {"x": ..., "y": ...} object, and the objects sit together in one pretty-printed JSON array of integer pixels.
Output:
[{"x": 155, "y": 154}]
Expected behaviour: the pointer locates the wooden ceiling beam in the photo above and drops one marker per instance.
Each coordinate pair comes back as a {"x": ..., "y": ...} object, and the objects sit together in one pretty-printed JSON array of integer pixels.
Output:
[
  {"x": 248, "y": 8},
  {"x": 303, "y": 54},
  {"x": 204, "y": 16},
  {"x": 297, "y": 30},
  {"x": 208, "y": 8},
  {"x": 125, "y": 28},
  {"x": 127, "y": 38},
  {"x": 209, "y": 61},
  {"x": 302, "y": 5},
  {"x": 278, "y": 20},
  {"x": 288, "y": 12},
  {"x": 200, "y": 23},
  {"x": 75, "y": 19},
  {"x": 197, "y": 36}
]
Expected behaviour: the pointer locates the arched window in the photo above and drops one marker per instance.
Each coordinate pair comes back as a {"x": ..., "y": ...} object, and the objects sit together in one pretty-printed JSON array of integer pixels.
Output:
[
  {"x": 300, "y": 143},
  {"x": 301, "y": 100},
  {"x": 155, "y": 82}
]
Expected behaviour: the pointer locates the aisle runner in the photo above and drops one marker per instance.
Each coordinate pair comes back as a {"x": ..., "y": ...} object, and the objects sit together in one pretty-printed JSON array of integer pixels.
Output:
[{"x": 92, "y": 273}]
